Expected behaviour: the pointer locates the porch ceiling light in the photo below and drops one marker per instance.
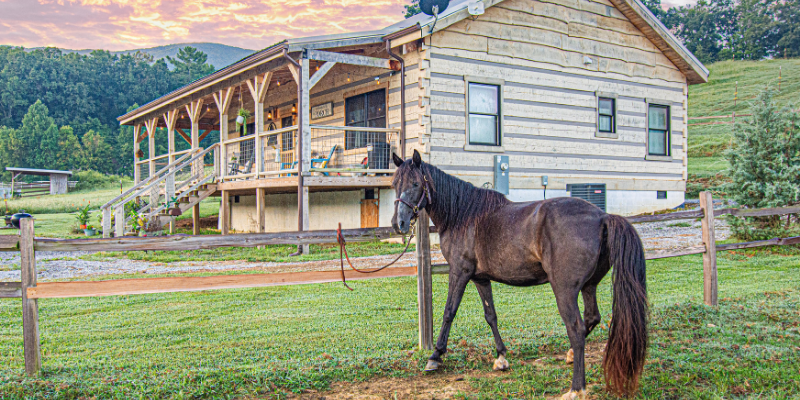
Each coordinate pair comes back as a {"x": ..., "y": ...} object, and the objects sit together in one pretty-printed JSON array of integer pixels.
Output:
[{"x": 294, "y": 108}]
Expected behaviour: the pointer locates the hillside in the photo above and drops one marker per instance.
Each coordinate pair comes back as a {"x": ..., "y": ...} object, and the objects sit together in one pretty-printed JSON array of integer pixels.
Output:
[
  {"x": 708, "y": 142},
  {"x": 219, "y": 55}
]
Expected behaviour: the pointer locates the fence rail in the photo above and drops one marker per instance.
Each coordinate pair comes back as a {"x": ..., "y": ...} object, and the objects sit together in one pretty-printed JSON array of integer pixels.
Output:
[{"x": 30, "y": 291}]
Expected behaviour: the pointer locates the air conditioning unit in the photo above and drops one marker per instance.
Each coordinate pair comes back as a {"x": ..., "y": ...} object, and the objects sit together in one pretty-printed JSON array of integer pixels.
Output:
[{"x": 594, "y": 193}]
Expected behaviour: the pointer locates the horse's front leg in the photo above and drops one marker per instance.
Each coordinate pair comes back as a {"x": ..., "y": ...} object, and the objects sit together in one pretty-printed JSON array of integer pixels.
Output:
[{"x": 459, "y": 277}]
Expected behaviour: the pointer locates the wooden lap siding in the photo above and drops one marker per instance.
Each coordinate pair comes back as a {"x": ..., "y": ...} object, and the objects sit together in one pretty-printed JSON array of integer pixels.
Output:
[{"x": 549, "y": 104}]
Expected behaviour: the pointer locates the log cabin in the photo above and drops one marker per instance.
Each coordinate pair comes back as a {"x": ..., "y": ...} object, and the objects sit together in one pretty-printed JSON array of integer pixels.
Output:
[{"x": 534, "y": 98}]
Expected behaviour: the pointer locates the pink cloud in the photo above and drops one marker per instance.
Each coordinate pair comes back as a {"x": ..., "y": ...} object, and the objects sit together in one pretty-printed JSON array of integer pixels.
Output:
[{"x": 128, "y": 24}]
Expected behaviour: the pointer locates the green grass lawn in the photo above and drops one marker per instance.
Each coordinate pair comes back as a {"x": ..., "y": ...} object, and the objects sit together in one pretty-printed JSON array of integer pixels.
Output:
[
  {"x": 65, "y": 203},
  {"x": 707, "y": 142},
  {"x": 64, "y": 225},
  {"x": 273, "y": 341}
]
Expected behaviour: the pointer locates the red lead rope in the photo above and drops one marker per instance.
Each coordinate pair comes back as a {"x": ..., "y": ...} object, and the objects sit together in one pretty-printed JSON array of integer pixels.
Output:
[{"x": 343, "y": 255}]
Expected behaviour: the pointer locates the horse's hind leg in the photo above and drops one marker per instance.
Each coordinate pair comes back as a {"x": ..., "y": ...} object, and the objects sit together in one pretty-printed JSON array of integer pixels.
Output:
[
  {"x": 591, "y": 314},
  {"x": 567, "y": 300},
  {"x": 485, "y": 290}
]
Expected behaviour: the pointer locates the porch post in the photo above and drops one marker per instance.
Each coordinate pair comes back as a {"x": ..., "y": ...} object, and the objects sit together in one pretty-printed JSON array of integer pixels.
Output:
[
  {"x": 195, "y": 110},
  {"x": 171, "y": 118},
  {"x": 136, "y": 171},
  {"x": 150, "y": 127},
  {"x": 258, "y": 89},
  {"x": 304, "y": 114},
  {"x": 223, "y": 101}
]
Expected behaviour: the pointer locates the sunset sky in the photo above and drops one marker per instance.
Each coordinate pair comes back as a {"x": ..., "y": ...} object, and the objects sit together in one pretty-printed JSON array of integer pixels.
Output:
[{"x": 131, "y": 24}]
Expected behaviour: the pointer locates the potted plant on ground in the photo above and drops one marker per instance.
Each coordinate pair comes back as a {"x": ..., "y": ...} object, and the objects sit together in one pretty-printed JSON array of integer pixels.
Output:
[
  {"x": 138, "y": 223},
  {"x": 174, "y": 209},
  {"x": 83, "y": 216},
  {"x": 90, "y": 230}
]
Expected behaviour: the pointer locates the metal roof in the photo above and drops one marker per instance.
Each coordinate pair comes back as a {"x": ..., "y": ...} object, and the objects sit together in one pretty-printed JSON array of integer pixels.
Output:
[{"x": 34, "y": 171}]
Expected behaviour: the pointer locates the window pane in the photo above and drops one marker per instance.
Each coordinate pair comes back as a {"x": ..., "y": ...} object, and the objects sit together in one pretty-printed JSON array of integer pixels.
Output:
[
  {"x": 658, "y": 118},
  {"x": 606, "y": 106},
  {"x": 605, "y": 123},
  {"x": 483, "y": 98},
  {"x": 355, "y": 110},
  {"x": 483, "y": 129},
  {"x": 376, "y": 104},
  {"x": 657, "y": 142}
]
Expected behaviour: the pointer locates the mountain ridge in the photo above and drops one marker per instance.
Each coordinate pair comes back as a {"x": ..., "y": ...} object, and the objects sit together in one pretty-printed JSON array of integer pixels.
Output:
[{"x": 219, "y": 55}]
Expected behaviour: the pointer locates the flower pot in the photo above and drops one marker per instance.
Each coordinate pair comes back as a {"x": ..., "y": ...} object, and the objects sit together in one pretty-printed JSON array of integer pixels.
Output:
[
  {"x": 239, "y": 119},
  {"x": 83, "y": 226},
  {"x": 175, "y": 212},
  {"x": 90, "y": 232},
  {"x": 142, "y": 234}
]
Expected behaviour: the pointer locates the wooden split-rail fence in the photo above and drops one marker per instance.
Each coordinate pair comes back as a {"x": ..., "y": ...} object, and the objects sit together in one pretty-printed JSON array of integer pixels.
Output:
[{"x": 30, "y": 291}]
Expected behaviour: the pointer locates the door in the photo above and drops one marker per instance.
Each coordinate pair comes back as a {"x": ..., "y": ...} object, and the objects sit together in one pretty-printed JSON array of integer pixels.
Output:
[{"x": 369, "y": 209}]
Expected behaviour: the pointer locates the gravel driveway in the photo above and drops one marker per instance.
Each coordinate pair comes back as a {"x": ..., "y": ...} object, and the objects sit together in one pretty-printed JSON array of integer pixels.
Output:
[{"x": 63, "y": 265}]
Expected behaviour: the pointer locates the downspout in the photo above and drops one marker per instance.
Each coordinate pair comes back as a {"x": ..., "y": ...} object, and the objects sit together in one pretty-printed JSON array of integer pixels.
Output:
[
  {"x": 402, "y": 97},
  {"x": 300, "y": 182}
]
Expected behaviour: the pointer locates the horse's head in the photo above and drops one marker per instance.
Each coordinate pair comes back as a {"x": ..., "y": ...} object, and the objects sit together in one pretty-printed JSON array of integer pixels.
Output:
[{"x": 412, "y": 191}]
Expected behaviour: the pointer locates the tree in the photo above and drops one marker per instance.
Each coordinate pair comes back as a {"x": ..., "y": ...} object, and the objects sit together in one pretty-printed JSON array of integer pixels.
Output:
[
  {"x": 190, "y": 64},
  {"x": 36, "y": 141},
  {"x": 69, "y": 149},
  {"x": 412, "y": 9},
  {"x": 757, "y": 33},
  {"x": 97, "y": 154},
  {"x": 788, "y": 25},
  {"x": 765, "y": 165}
]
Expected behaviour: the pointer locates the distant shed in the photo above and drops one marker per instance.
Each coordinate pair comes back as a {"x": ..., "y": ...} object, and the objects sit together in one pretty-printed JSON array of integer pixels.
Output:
[{"x": 58, "y": 179}]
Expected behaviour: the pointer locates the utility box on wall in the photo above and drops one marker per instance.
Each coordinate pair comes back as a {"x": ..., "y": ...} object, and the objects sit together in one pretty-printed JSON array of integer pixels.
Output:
[{"x": 501, "y": 174}]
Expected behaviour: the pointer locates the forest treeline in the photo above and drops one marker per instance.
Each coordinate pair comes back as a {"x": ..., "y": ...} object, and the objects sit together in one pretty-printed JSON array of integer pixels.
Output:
[{"x": 58, "y": 111}]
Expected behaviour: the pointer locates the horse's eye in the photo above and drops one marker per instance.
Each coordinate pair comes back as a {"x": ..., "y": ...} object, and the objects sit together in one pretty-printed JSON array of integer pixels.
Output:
[{"x": 416, "y": 184}]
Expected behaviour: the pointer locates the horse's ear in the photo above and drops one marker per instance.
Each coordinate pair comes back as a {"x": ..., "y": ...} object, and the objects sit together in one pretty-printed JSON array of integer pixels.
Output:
[
  {"x": 416, "y": 159},
  {"x": 397, "y": 160}
]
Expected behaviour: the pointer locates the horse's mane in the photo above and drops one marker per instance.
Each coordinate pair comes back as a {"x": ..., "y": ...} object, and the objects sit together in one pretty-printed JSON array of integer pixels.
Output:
[{"x": 455, "y": 204}]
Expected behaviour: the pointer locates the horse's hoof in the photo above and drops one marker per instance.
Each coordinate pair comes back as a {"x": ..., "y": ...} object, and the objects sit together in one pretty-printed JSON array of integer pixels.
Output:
[
  {"x": 431, "y": 366},
  {"x": 573, "y": 395},
  {"x": 500, "y": 364},
  {"x": 570, "y": 358}
]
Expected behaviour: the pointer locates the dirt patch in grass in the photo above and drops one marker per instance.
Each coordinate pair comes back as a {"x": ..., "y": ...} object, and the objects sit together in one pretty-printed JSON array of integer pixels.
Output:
[{"x": 445, "y": 385}]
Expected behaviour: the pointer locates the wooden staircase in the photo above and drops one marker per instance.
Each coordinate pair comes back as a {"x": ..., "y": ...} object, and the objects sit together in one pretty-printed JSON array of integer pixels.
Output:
[{"x": 186, "y": 200}]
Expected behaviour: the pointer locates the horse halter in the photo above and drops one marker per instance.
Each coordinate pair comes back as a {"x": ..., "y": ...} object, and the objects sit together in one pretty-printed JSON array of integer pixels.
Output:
[{"x": 426, "y": 194}]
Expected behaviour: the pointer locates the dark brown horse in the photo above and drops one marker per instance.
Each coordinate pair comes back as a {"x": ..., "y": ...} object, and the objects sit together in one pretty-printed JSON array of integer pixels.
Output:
[{"x": 566, "y": 242}]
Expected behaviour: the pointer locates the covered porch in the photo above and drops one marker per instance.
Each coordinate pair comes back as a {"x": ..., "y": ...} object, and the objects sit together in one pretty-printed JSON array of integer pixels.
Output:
[{"x": 295, "y": 118}]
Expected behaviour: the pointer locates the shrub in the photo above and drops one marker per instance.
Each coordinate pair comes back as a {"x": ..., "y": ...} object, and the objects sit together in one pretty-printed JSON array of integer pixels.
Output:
[
  {"x": 765, "y": 167},
  {"x": 90, "y": 179}
]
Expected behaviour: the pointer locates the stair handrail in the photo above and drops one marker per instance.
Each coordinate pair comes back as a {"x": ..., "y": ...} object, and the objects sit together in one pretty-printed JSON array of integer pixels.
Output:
[
  {"x": 145, "y": 186},
  {"x": 173, "y": 172},
  {"x": 145, "y": 182}
]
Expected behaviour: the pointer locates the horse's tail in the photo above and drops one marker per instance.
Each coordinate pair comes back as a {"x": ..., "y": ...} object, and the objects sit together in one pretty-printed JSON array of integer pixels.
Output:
[{"x": 627, "y": 332}]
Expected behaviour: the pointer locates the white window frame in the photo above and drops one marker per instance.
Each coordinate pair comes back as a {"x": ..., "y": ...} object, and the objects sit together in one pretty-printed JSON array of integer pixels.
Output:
[
  {"x": 500, "y": 83},
  {"x": 614, "y": 134},
  {"x": 668, "y": 106}
]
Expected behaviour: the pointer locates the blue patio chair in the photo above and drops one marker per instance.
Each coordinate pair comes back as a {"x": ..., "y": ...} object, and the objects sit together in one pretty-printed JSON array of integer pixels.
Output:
[{"x": 324, "y": 161}]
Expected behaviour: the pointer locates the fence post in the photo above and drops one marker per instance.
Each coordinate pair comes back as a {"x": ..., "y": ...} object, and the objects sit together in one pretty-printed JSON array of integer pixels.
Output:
[
  {"x": 424, "y": 282},
  {"x": 710, "y": 256},
  {"x": 30, "y": 307}
]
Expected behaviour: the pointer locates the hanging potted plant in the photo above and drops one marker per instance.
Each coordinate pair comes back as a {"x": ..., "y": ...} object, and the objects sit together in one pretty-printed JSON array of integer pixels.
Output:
[{"x": 241, "y": 119}]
